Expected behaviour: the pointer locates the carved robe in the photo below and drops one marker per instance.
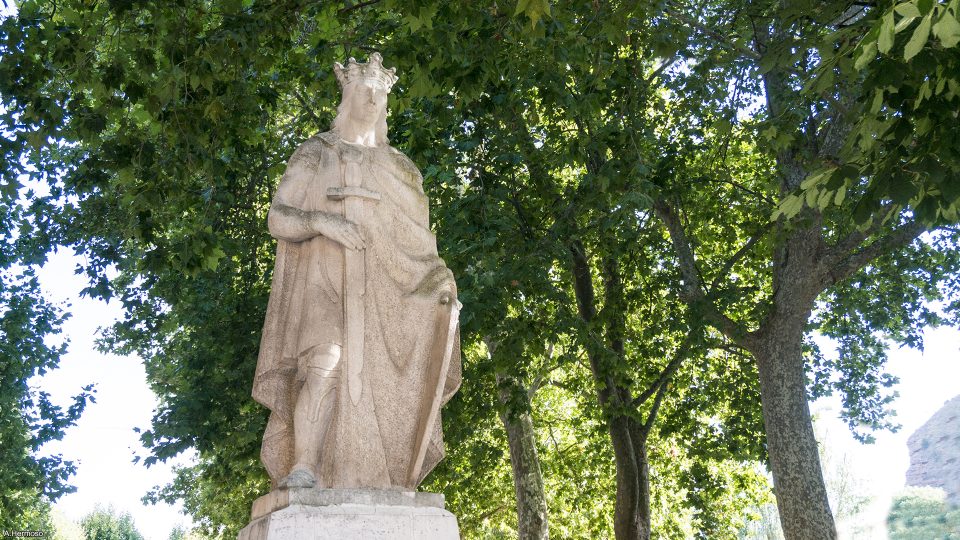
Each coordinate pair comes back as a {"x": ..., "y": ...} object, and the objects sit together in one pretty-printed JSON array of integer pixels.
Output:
[{"x": 410, "y": 354}]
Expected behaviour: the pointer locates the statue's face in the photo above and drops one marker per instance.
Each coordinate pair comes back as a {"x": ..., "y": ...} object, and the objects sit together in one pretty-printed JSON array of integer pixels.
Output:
[{"x": 366, "y": 101}]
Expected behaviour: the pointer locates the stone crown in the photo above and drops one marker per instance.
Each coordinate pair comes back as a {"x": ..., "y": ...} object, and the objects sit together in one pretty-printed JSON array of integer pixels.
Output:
[{"x": 373, "y": 70}]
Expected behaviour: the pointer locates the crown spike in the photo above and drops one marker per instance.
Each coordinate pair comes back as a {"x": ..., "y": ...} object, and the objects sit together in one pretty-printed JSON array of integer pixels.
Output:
[{"x": 373, "y": 70}]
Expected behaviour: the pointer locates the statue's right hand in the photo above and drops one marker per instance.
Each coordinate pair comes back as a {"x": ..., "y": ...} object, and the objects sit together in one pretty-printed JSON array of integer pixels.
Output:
[{"x": 345, "y": 232}]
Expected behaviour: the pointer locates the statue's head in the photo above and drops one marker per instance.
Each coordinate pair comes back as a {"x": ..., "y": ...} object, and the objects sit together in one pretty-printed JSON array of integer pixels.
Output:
[{"x": 364, "y": 104}]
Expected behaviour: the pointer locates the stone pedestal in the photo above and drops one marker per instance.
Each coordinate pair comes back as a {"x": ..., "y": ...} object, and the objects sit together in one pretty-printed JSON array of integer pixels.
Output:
[{"x": 349, "y": 514}]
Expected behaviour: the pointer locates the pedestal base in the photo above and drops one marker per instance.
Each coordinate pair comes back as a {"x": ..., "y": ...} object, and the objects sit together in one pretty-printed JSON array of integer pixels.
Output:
[{"x": 349, "y": 514}]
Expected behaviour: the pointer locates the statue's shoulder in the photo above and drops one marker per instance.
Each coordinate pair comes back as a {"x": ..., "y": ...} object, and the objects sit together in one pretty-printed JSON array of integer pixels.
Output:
[
  {"x": 327, "y": 138},
  {"x": 310, "y": 152},
  {"x": 404, "y": 162}
]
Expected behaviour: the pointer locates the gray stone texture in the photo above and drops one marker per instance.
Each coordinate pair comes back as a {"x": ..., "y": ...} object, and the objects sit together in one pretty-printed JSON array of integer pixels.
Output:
[
  {"x": 361, "y": 345},
  {"x": 935, "y": 452},
  {"x": 344, "y": 514}
]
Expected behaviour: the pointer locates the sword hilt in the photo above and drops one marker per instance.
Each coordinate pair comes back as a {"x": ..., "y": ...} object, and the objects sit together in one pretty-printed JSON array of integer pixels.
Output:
[{"x": 341, "y": 193}]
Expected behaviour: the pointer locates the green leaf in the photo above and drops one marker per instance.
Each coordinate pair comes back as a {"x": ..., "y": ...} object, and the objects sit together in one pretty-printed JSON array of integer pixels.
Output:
[
  {"x": 521, "y": 7},
  {"x": 533, "y": 9},
  {"x": 947, "y": 29},
  {"x": 949, "y": 213},
  {"x": 868, "y": 53},
  {"x": 767, "y": 62},
  {"x": 885, "y": 40},
  {"x": 413, "y": 22},
  {"x": 903, "y": 23},
  {"x": 877, "y": 103},
  {"x": 919, "y": 39},
  {"x": 901, "y": 191},
  {"x": 788, "y": 207},
  {"x": 815, "y": 177},
  {"x": 824, "y": 199},
  {"x": 907, "y": 10},
  {"x": 840, "y": 196}
]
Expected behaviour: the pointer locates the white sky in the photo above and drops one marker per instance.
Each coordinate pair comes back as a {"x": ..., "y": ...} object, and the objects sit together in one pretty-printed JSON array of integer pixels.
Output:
[{"x": 103, "y": 442}]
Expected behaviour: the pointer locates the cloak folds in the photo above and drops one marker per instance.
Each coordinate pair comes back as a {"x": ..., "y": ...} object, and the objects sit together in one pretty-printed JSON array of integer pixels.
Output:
[{"x": 391, "y": 437}]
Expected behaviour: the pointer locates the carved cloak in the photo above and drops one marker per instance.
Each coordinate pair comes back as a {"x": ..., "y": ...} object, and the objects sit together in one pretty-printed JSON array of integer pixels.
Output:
[{"x": 411, "y": 362}]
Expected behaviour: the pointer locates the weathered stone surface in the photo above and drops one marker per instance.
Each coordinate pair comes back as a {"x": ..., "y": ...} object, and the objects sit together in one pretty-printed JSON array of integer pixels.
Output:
[
  {"x": 935, "y": 452},
  {"x": 360, "y": 346},
  {"x": 320, "y": 514},
  {"x": 282, "y": 498}
]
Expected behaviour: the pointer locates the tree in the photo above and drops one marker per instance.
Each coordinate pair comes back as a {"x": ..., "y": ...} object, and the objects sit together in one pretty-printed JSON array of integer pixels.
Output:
[
  {"x": 922, "y": 513},
  {"x": 29, "y": 326},
  {"x": 587, "y": 163},
  {"x": 573, "y": 199},
  {"x": 107, "y": 524},
  {"x": 813, "y": 248},
  {"x": 181, "y": 533},
  {"x": 192, "y": 194}
]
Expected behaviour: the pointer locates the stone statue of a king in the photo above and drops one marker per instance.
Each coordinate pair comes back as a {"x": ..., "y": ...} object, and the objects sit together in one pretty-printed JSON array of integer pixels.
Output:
[{"x": 360, "y": 346}]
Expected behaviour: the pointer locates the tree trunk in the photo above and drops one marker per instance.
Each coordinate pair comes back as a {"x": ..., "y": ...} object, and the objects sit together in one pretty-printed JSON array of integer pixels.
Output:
[
  {"x": 631, "y": 517},
  {"x": 791, "y": 444},
  {"x": 527, "y": 478}
]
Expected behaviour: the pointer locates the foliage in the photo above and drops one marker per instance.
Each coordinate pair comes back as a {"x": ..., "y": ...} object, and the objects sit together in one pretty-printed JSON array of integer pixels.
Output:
[
  {"x": 28, "y": 419},
  {"x": 902, "y": 59},
  {"x": 64, "y": 528},
  {"x": 922, "y": 513},
  {"x": 182, "y": 533},
  {"x": 107, "y": 524},
  {"x": 542, "y": 129},
  {"x": 31, "y": 513}
]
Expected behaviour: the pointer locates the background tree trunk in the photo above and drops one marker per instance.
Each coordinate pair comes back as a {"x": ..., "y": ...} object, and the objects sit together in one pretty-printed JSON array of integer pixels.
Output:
[
  {"x": 631, "y": 520},
  {"x": 525, "y": 462},
  {"x": 631, "y": 517}
]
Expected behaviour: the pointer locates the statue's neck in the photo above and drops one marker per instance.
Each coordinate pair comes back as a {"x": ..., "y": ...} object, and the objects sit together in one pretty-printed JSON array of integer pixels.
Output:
[
  {"x": 364, "y": 138},
  {"x": 358, "y": 135}
]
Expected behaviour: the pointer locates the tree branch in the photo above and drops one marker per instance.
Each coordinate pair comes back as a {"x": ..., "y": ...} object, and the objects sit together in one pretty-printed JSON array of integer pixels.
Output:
[
  {"x": 712, "y": 34},
  {"x": 306, "y": 106},
  {"x": 844, "y": 247},
  {"x": 654, "y": 409},
  {"x": 692, "y": 282},
  {"x": 358, "y": 5},
  {"x": 660, "y": 69},
  {"x": 541, "y": 377},
  {"x": 672, "y": 367},
  {"x": 740, "y": 254},
  {"x": 693, "y": 290},
  {"x": 852, "y": 263},
  {"x": 582, "y": 282}
]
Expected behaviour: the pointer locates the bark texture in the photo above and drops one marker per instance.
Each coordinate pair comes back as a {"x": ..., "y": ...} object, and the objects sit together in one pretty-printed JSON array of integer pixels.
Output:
[
  {"x": 525, "y": 461},
  {"x": 794, "y": 458},
  {"x": 793, "y": 455},
  {"x": 631, "y": 520}
]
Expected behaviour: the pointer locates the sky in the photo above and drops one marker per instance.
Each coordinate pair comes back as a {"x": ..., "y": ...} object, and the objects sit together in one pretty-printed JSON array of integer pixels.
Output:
[
  {"x": 928, "y": 379},
  {"x": 103, "y": 443}
]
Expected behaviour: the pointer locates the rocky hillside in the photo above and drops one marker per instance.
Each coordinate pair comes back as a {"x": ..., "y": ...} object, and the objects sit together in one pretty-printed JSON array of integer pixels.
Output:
[{"x": 935, "y": 452}]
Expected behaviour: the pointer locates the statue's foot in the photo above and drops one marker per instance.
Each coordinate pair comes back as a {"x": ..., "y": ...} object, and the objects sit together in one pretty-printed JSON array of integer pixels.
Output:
[{"x": 299, "y": 477}]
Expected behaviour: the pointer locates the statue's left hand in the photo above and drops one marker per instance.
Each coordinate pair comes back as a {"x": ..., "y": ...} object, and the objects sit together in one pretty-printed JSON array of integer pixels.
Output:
[{"x": 446, "y": 297}]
